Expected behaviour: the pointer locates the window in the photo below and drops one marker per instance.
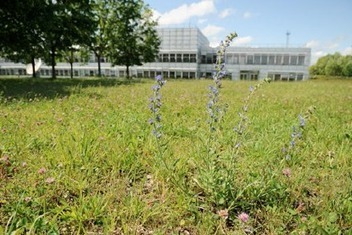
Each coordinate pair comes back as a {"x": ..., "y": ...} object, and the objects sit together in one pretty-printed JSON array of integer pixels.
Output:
[
  {"x": 193, "y": 58},
  {"x": 243, "y": 59},
  {"x": 292, "y": 76},
  {"x": 293, "y": 60},
  {"x": 300, "y": 76},
  {"x": 235, "y": 58},
  {"x": 179, "y": 58},
  {"x": 192, "y": 75},
  {"x": 185, "y": 58},
  {"x": 271, "y": 76},
  {"x": 278, "y": 59},
  {"x": 178, "y": 74},
  {"x": 172, "y": 58},
  {"x": 257, "y": 59},
  {"x": 271, "y": 59},
  {"x": 165, "y": 57},
  {"x": 203, "y": 59},
  {"x": 229, "y": 59},
  {"x": 286, "y": 59},
  {"x": 301, "y": 59},
  {"x": 214, "y": 59},
  {"x": 264, "y": 59},
  {"x": 249, "y": 59}
]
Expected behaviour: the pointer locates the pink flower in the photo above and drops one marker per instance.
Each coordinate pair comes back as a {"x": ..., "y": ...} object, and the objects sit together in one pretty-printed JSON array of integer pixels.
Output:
[
  {"x": 42, "y": 170},
  {"x": 286, "y": 172},
  {"x": 223, "y": 213},
  {"x": 27, "y": 199},
  {"x": 5, "y": 159},
  {"x": 50, "y": 180},
  {"x": 243, "y": 217}
]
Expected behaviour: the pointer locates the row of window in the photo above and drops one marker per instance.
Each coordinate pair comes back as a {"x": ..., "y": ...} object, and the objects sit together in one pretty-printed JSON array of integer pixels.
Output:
[
  {"x": 16, "y": 72},
  {"x": 121, "y": 73},
  {"x": 178, "y": 58},
  {"x": 276, "y": 76},
  {"x": 265, "y": 59},
  {"x": 257, "y": 59}
]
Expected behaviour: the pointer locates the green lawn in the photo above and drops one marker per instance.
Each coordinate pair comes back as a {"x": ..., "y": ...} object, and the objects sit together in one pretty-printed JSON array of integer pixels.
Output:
[{"x": 79, "y": 156}]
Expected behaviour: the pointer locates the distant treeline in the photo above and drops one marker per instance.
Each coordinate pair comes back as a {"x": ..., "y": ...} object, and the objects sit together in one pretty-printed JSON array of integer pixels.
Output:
[{"x": 333, "y": 65}]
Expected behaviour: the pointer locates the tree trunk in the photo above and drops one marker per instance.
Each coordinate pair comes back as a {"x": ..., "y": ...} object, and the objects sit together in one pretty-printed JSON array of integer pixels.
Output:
[
  {"x": 53, "y": 74},
  {"x": 99, "y": 66},
  {"x": 71, "y": 63},
  {"x": 127, "y": 71},
  {"x": 33, "y": 67}
]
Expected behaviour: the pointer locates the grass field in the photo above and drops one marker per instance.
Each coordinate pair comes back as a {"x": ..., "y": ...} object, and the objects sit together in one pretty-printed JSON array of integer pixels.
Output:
[{"x": 79, "y": 157}]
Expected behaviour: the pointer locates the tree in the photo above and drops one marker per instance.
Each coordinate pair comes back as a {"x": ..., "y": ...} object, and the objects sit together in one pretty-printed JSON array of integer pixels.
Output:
[
  {"x": 333, "y": 65},
  {"x": 133, "y": 39},
  {"x": 32, "y": 28},
  {"x": 347, "y": 69},
  {"x": 20, "y": 33},
  {"x": 68, "y": 23},
  {"x": 80, "y": 23},
  {"x": 99, "y": 37}
]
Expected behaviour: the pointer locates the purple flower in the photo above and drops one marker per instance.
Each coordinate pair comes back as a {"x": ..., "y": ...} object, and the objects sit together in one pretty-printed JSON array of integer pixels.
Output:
[
  {"x": 159, "y": 78},
  {"x": 302, "y": 122},
  {"x": 42, "y": 170},
  {"x": 155, "y": 105},
  {"x": 286, "y": 172},
  {"x": 243, "y": 217}
]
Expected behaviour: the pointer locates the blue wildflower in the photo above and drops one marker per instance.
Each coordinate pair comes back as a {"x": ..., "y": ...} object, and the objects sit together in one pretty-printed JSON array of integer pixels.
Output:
[{"x": 155, "y": 105}]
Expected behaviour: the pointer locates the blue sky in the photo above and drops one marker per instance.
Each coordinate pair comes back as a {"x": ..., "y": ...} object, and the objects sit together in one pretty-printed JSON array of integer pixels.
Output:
[{"x": 323, "y": 25}]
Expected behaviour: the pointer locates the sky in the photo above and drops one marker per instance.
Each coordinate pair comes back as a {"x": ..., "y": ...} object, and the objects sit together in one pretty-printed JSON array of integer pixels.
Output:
[{"x": 325, "y": 26}]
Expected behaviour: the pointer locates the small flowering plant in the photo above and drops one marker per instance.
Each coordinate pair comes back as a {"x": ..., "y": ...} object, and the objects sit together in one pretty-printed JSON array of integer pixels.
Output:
[
  {"x": 297, "y": 133},
  {"x": 155, "y": 105},
  {"x": 214, "y": 109},
  {"x": 243, "y": 217},
  {"x": 242, "y": 124}
]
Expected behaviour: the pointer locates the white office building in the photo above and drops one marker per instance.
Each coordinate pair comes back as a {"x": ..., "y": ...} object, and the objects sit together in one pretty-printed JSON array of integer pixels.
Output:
[{"x": 185, "y": 53}]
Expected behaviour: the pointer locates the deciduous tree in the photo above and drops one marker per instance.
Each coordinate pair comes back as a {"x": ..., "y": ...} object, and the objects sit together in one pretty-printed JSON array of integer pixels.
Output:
[{"x": 133, "y": 39}]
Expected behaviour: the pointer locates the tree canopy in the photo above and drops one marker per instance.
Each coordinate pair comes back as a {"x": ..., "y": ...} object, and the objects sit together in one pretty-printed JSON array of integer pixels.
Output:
[
  {"x": 333, "y": 65},
  {"x": 122, "y": 30},
  {"x": 132, "y": 36}
]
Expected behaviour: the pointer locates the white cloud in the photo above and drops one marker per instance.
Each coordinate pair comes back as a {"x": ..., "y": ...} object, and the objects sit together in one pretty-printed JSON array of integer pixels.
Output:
[
  {"x": 347, "y": 51},
  {"x": 312, "y": 44},
  {"x": 239, "y": 41},
  {"x": 184, "y": 12},
  {"x": 316, "y": 55},
  {"x": 214, "y": 42},
  {"x": 320, "y": 49},
  {"x": 201, "y": 21},
  {"x": 247, "y": 15},
  {"x": 225, "y": 13},
  {"x": 212, "y": 30}
]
